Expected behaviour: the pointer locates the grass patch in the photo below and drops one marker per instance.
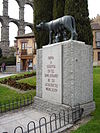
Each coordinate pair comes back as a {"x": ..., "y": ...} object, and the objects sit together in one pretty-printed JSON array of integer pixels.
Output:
[
  {"x": 31, "y": 81},
  {"x": 17, "y": 98},
  {"x": 93, "y": 126},
  {"x": 8, "y": 94},
  {"x": 18, "y": 75},
  {"x": 8, "y": 60}
]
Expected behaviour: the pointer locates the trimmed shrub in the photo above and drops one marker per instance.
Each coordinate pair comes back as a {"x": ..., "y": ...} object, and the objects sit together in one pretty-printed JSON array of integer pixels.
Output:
[
  {"x": 8, "y": 61},
  {"x": 42, "y": 11},
  {"x": 58, "y": 8},
  {"x": 79, "y": 10},
  {"x": 21, "y": 86},
  {"x": 0, "y": 52}
]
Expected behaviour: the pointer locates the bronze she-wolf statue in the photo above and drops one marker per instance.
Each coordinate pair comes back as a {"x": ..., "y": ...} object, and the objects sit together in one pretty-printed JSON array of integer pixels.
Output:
[{"x": 58, "y": 27}]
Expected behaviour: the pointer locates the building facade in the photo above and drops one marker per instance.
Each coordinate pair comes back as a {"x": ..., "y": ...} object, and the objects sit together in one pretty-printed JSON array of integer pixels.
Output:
[
  {"x": 25, "y": 52},
  {"x": 95, "y": 24}
]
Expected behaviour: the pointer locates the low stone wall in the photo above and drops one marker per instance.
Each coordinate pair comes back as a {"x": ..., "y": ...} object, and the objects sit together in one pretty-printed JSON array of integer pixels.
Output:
[
  {"x": 10, "y": 69},
  {"x": 50, "y": 108}
]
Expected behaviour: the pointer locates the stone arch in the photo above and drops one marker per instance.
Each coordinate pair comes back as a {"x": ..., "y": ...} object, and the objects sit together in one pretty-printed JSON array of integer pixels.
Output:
[
  {"x": 18, "y": 1},
  {"x": 29, "y": 3},
  {"x": 5, "y": 20},
  {"x": 0, "y": 31},
  {"x": 14, "y": 25},
  {"x": 1, "y": 20},
  {"x": 28, "y": 29},
  {"x": 12, "y": 9},
  {"x": 1, "y": 25},
  {"x": 28, "y": 10},
  {"x": 14, "y": 21},
  {"x": 29, "y": 25}
]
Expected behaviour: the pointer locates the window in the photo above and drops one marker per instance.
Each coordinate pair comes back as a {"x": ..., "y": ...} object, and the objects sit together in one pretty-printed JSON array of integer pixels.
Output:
[
  {"x": 98, "y": 56},
  {"x": 98, "y": 36},
  {"x": 24, "y": 45},
  {"x": 98, "y": 44},
  {"x": 98, "y": 39},
  {"x": 30, "y": 63}
]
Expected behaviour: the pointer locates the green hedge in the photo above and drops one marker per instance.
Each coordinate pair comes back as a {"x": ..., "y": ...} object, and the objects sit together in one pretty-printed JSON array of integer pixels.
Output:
[
  {"x": 42, "y": 11},
  {"x": 79, "y": 10},
  {"x": 58, "y": 8},
  {"x": 8, "y": 61}
]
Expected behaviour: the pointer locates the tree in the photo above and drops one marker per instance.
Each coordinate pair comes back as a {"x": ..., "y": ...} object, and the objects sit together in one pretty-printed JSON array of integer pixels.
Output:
[
  {"x": 79, "y": 10},
  {"x": 0, "y": 52},
  {"x": 42, "y": 11},
  {"x": 58, "y": 8}
]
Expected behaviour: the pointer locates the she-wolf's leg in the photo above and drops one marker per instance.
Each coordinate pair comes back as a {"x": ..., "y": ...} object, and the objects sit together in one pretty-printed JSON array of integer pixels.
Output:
[
  {"x": 73, "y": 35},
  {"x": 64, "y": 36},
  {"x": 73, "y": 30},
  {"x": 57, "y": 37},
  {"x": 69, "y": 26},
  {"x": 50, "y": 37}
]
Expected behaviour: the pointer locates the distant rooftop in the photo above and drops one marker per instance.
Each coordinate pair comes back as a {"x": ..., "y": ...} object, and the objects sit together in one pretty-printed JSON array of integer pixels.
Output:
[
  {"x": 29, "y": 35},
  {"x": 96, "y": 19},
  {"x": 95, "y": 23},
  {"x": 95, "y": 26}
]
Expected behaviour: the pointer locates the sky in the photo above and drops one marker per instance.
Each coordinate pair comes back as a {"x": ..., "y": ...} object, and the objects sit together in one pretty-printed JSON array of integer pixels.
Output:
[{"x": 93, "y": 6}]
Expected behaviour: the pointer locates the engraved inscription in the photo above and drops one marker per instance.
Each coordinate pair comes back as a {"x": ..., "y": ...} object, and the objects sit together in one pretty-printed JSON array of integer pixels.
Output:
[{"x": 51, "y": 75}]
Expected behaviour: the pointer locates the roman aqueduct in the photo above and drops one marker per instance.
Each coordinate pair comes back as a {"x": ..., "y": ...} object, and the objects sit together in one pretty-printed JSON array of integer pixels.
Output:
[{"x": 5, "y": 20}]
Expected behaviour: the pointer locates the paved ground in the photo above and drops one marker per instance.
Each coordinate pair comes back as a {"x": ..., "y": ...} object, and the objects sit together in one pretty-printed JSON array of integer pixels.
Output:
[
  {"x": 2, "y": 75},
  {"x": 10, "y": 121},
  {"x": 21, "y": 118}
]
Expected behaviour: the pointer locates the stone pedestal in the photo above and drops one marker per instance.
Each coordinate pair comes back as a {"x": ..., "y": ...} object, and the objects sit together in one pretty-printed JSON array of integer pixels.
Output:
[
  {"x": 52, "y": 73},
  {"x": 64, "y": 77}
]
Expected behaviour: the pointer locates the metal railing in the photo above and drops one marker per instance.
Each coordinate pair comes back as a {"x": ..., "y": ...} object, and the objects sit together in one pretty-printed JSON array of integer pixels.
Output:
[
  {"x": 16, "y": 103},
  {"x": 24, "y": 52},
  {"x": 56, "y": 122}
]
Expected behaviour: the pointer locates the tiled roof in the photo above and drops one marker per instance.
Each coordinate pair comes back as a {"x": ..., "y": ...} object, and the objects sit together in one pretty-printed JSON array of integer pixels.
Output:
[
  {"x": 29, "y": 35},
  {"x": 95, "y": 26}
]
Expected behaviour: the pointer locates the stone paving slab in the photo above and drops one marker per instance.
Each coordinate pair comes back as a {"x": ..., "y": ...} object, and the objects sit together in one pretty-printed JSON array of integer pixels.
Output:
[
  {"x": 3, "y": 75},
  {"x": 10, "y": 121}
]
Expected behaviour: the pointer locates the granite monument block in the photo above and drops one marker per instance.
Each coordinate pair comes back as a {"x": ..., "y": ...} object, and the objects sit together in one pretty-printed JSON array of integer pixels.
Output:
[{"x": 64, "y": 77}]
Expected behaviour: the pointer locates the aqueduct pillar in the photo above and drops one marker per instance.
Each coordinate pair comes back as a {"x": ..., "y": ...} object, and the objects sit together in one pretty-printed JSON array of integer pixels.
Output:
[
  {"x": 4, "y": 44},
  {"x": 5, "y": 30}
]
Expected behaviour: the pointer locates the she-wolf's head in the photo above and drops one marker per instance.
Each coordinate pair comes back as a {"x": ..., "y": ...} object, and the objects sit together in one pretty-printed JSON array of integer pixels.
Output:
[{"x": 40, "y": 26}]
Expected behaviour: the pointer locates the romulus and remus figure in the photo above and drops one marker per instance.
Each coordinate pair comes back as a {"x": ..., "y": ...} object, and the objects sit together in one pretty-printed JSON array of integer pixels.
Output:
[{"x": 58, "y": 27}]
